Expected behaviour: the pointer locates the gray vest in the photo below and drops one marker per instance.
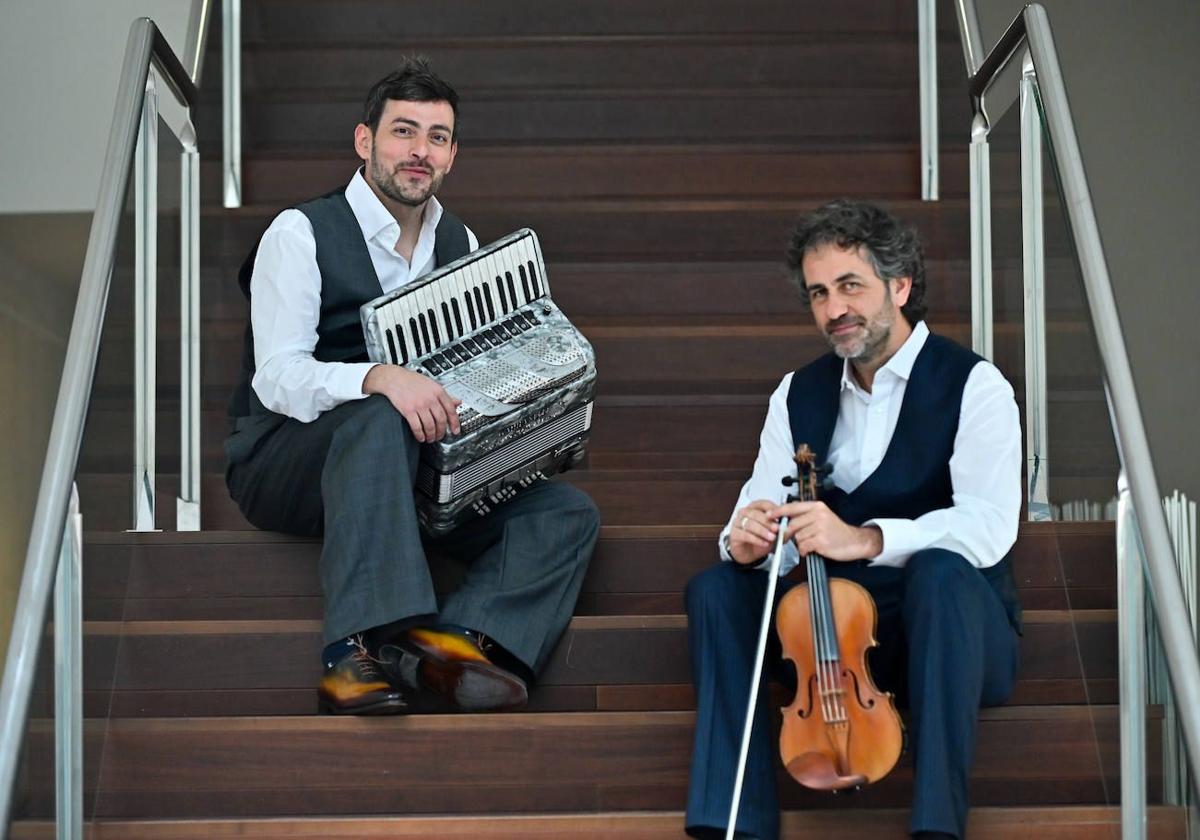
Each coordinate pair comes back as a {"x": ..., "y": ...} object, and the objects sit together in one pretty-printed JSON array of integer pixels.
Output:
[{"x": 348, "y": 280}]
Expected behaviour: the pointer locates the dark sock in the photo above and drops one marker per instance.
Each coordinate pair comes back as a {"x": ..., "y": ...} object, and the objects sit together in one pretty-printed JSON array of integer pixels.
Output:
[
  {"x": 933, "y": 835},
  {"x": 372, "y": 639}
]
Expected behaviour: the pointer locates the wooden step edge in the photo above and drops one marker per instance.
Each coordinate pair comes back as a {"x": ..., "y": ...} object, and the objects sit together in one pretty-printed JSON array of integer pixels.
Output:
[
  {"x": 432, "y": 43},
  {"x": 790, "y": 206},
  {"x": 1068, "y": 822},
  {"x": 704, "y": 531},
  {"x": 580, "y": 623},
  {"x": 481, "y": 94},
  {"x": 642, "y": 148},
  {"x": 523, "y": 721}
]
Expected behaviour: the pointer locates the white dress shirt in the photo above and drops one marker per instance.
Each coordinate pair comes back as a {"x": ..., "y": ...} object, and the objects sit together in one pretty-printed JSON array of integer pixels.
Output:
[
  {"x": 985, "y": 469},
  {"x": 285, "y": 302}
]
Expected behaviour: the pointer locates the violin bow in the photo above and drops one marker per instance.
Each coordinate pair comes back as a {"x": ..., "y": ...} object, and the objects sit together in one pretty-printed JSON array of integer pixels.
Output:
[{"x": 756, "y": 676}]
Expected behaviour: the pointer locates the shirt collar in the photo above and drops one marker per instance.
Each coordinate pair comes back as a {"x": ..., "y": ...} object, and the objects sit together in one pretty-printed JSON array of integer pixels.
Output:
[
  {"x": 902, "y": 361},
  {"x": 373, "y": 218}
]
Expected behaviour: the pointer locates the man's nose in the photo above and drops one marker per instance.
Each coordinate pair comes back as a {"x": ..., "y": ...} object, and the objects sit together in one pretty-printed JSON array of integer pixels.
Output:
[
  {"x": 419, "y": 148},
  {"x": 835, "y": 307}
]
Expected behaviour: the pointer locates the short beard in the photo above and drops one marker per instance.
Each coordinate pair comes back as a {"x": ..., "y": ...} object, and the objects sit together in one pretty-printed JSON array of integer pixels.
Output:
[
  {"x": 879, "y": 331},
  {"x": 388, "y": 186}
]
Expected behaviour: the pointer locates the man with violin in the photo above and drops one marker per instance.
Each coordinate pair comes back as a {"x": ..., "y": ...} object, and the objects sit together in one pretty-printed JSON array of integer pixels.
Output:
[{"x": 922, "y": 440}]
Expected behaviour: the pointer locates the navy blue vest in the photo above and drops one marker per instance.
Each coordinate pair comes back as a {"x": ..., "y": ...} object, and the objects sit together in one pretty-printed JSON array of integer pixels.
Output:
[
  {"x": 348, "y": 280},
  {"x": 914, "y": 476}
]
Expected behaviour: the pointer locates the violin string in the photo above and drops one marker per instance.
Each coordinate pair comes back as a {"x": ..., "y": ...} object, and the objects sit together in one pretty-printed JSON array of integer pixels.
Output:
[{"x": 818, "y": 628}]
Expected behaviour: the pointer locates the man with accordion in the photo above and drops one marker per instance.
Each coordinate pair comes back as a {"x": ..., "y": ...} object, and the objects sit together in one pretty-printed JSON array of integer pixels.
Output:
[{"x": 326, "y": 441}]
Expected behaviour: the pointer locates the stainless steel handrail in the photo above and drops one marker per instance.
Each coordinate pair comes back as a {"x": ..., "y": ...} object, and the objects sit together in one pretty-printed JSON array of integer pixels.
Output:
[
  {"x": 146, "y": 44},
  {"x": 1031, "y": 28}
]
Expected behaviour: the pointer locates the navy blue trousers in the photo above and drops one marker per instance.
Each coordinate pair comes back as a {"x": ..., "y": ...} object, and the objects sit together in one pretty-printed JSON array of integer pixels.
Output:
[{"x": 946, "y": 647}]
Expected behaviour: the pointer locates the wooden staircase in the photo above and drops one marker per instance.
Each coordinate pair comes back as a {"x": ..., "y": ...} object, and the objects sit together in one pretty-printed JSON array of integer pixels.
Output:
[{"x": 661, "y": 151}]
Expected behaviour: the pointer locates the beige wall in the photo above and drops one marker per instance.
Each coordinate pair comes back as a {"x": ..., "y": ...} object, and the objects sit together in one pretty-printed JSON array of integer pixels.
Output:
[
  {"x": 1133, "y": 78},
  {"x": 60, "y": 61},
  {"x": 37, "y": 297}
]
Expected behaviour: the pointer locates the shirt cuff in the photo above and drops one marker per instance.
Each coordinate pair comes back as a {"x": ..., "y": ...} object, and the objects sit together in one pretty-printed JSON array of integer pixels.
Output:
[
  {"x": 728, "y": 558},
  {"x": 902, "y": 538},
  {"x": 347, "y": 381}
]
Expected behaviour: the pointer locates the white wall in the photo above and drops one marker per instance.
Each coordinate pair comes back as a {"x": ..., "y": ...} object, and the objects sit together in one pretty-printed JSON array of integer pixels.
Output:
[{"x": 59, "y": 62}]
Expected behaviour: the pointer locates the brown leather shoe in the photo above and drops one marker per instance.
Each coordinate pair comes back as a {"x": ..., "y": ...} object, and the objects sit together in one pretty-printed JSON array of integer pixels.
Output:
[
  {"x": 453, "y": 670},
  {"x": 357, "y": 685}
]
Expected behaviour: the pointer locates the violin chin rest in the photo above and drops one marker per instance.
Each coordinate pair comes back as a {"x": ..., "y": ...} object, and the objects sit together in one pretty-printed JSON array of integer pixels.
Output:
[{"x": 817, "y": 771}]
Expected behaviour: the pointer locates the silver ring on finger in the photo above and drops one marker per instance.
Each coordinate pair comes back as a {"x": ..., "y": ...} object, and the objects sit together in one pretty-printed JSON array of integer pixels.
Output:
[{"x": 745, "y": 519}]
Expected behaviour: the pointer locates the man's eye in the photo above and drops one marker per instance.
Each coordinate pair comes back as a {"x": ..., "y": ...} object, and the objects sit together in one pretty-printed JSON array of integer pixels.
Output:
[{"x": 438, "y": 138}]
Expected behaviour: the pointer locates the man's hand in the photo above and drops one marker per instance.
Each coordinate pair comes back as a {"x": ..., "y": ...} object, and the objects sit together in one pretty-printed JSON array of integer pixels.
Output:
[
  {"x": 815, "y": 528},
  {"x": 429, "y": 410},
  {"x": 753, "y": 534}
]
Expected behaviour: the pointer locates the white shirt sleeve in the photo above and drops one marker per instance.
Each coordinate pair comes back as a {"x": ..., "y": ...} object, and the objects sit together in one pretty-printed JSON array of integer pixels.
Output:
[
  {"x": 285, "y": 307},
  {"x": 985, "y": 474},
  {"x": 774, "y": 461}
]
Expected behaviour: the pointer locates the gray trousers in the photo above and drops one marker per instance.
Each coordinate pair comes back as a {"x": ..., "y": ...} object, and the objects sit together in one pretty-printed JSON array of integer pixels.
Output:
[{"x": 349, "y": 475}]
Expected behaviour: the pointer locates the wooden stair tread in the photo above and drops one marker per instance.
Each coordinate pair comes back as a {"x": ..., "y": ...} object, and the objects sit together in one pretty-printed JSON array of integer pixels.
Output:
[
  {"x": 1050, "y": 823},
  {"x": 531, "y": 762},
  {"x": 611, "y": 662}
]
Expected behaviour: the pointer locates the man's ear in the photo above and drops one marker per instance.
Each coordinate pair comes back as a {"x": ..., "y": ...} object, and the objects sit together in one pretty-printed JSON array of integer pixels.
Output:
[
  {"x": 900, "y": 287},
  {"x": 363, "y": 140}
]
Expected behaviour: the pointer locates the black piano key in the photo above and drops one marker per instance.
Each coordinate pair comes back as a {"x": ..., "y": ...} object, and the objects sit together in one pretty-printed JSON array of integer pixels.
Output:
[
  {"x": 449, "y": 322},
  {"x": 525, "y": 283},
  {"x": 425, "y": 330},
  {"x": 433, "y": 328},
  {"x": 391, "y": 343},
  {"x": 500, "y": 294},
  {"x": 458, "y": 321},
  {"x": 418, "y": 348},
  {"x": 535, "y": 280},
  {"x": 487, "y": 296},
  {"x": 471, "y": 312},
  {"x": 483, "y": 319}
]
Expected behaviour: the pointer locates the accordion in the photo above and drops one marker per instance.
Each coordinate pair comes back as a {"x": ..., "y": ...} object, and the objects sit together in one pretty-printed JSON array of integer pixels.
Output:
[{"x": 485, "y": 328}]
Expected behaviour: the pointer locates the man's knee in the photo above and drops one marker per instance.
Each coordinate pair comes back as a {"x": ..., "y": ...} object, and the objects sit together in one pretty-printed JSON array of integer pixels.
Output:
[
  {"x": 713, "y": 591},
  {"x": 937, "y": 582},
  {"x": 374, "y": 422}
]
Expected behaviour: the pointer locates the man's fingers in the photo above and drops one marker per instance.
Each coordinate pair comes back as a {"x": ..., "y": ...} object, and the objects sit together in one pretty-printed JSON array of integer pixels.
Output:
[
  {"x": 449, "y": 406},
  {"x": 440, "y": 422},
  {"x": 414, "y": 423}
]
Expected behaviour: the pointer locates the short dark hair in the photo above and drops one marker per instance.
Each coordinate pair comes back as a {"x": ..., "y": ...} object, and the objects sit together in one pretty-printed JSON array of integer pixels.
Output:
[
  {"x": 413, "y": 81},
  {"x": 892, "y": 248}
]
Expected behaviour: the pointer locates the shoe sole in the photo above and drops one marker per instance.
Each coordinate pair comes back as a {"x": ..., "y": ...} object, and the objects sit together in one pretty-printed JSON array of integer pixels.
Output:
[
  {"x": 475, "y": 686},
  {"x": 381, "y": 707}
]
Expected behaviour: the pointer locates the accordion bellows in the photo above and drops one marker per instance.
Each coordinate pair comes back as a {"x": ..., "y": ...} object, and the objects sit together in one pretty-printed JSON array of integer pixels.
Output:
[{"x": 486, "y": 328}]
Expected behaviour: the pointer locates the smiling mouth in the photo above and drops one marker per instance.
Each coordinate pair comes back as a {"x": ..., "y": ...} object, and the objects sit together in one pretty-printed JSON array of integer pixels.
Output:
[{"x": 843, "y": 329}]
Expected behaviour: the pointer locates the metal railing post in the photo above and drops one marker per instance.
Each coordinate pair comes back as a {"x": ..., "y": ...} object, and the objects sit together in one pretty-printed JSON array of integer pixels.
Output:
[
  {"x": 981, "y": 239},
  {"x": 1037, "y": 434},
  {"x": 927, "y": 59},
  {"x": 145, "y": 303},
  {"x": 1131, "y": 641},
  {"x": 68, "y": 677},
  {"x": 187, "y": 505},
  {"x": 231, "y": 100}
]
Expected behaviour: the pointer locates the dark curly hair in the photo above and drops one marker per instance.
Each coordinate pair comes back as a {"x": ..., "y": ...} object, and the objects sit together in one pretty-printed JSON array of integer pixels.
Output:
[
  {"x": 892, "y": 248},
  {"x": 413, "y": 81}
]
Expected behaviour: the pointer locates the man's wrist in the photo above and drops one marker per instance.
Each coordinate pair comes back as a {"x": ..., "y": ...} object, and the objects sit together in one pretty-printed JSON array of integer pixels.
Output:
[{"x": 872, "y": 541}]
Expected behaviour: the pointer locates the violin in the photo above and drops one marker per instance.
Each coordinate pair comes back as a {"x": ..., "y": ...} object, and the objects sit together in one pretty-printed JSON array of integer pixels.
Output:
[{"x": 840, "y": 731}]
